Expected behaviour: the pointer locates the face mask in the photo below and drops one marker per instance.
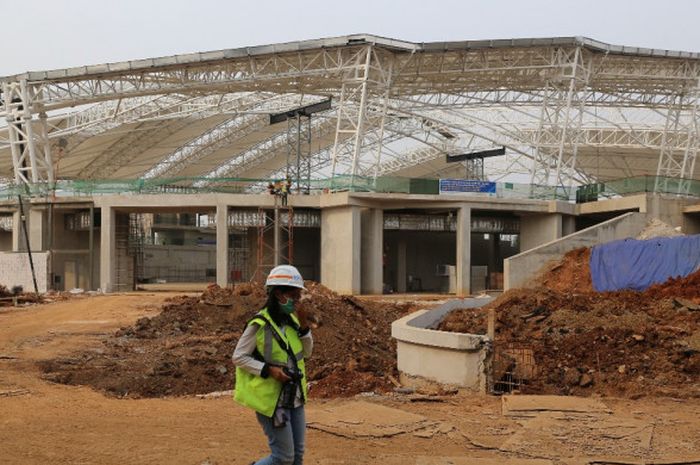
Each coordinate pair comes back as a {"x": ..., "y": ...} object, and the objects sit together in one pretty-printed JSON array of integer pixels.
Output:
[{"x": 288, "y": 306}]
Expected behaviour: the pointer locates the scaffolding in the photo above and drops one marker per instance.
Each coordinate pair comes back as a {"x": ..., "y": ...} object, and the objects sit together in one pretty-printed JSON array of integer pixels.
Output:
[
  {"x": 124, "y": 261},
  {"x": 137, "y": 239},
  {"x": 239, "y": 256},
  {"x": 281, "y": 251}
]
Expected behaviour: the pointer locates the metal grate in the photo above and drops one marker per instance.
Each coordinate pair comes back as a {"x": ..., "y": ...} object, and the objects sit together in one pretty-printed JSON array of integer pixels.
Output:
[{"x": 513, "y": 366}]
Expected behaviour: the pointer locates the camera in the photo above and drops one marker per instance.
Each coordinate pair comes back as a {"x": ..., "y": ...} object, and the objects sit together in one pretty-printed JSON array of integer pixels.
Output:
[
  {"x": 289, "y": 389},
  {"x": 293, "y": 373}
]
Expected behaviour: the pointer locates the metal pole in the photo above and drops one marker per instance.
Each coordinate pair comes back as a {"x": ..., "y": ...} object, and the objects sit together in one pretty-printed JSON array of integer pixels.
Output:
[
  {"x": 308, "y": 156},
  {"x": 298, "y": 119},
  {"x": 277, "y": 234},
  {"x": 91, "y": 246},
  {"x": 26, "y": 240},
  {"x": 50, "y": 245}
]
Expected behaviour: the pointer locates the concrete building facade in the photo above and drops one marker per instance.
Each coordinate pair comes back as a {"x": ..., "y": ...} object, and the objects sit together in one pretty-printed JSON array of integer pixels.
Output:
[{"x": 353, "y": 243}]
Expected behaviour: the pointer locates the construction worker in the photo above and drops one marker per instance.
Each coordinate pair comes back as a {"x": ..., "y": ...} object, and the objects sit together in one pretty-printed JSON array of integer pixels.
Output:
[
  {"x": 284, "y": 190},
  {"x": 270, "y": 367}
]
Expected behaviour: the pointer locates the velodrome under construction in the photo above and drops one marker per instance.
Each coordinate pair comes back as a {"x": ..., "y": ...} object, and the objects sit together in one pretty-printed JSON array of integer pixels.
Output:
[
  {"x": 127, "y": 171},
  {"x": 500, "y": 241}
]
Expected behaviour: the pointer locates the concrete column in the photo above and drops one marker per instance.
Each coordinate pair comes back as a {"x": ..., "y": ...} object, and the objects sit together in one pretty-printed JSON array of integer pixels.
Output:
[
  {"x": 222, "y": 265},
  {"x": 372, "y": 251},
  {"x": 401, "y": 267},
  {"x": 340, "y": 249},
  {"x": 16, "y": 231},
  {"x": 568, "y": 225},
  {"x": 36, "y": 229},
  {"x": 539, "y": 229},
  {"x": 108, "y": 249},
  {"x": 464, "y": 252},
  {"x": 494, "y": 255}
]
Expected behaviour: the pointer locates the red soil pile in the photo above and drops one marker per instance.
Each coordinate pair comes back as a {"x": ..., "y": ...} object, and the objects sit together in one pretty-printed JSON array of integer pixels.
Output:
[
  {"x": 187, "y": 348},
  {"x": 615, "y": 343}
]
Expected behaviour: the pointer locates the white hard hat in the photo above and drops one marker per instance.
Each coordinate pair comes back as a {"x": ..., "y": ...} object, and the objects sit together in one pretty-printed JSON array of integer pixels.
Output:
[{"x": 285, "y": 275}]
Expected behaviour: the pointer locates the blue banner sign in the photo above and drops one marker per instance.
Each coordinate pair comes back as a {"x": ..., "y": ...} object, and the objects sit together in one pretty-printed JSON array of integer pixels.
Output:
[{"x": 454, "y": 186}]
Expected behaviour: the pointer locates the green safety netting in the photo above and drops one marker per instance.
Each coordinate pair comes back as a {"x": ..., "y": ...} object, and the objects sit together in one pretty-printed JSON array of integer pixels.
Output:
[
  {"x": 383, "y": 184},
  {"x": 638, "y": 185}
]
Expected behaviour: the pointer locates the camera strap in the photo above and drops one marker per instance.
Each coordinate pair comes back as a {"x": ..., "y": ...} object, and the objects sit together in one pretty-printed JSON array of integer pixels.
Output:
[{"x": 284, "y": 344}]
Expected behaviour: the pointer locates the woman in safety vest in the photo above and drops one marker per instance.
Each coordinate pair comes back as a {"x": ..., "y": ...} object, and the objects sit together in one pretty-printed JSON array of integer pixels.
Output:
[{"x": 270, "y": 367}]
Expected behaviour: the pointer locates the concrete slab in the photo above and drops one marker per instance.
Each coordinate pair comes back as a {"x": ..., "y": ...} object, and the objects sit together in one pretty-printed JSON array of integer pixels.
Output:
[
  {"x": 523, "y": 405},
  {"x": 362, "y": 419},
  {"x": 479, "y": 461},
  {"x": 577, "y": 434}
]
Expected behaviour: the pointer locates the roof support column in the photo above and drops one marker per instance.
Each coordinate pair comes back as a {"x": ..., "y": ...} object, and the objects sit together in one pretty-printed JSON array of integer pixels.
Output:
[
  {"x": 464, "y": 250},
  {"x": 682, "y": 121},
  {"x": 17, "y": 235},
  {"x": 372, "y": 251},
  {"x": 561, "y": 116},
  {"x": 367, "y": 78},
  {"x": 222, "y": 246},
  {"x": 108, "y": 249},
  {"x": 340, "y": 249},
  {"x": 28, "y": 136}
]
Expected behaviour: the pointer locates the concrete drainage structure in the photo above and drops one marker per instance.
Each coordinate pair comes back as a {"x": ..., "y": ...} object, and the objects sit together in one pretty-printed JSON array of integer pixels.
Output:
[{"x": 427, "y": 355}]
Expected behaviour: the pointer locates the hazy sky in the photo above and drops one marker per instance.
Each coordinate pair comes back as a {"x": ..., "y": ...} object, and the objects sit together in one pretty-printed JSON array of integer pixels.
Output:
[{"x": 48, "y": 34}]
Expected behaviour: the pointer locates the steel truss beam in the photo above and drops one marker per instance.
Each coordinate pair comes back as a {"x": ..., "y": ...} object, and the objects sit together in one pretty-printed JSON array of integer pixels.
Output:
[
  {"x": 259, "y": 154},
  {"x": 361, "y": 112},
  {"x": 284, "y": 72},
  {"x": 683, "y": 121},
  {"x": 559, "y": 131},
  {"x": 298, "y": 170},
  {"x": 544, "y": 100},
  {"x": 28, "y": 135},
  {"x": 124, "y": 151},
  {"x": 252, "y": 115},
  {"x": 211, "y": 141}
]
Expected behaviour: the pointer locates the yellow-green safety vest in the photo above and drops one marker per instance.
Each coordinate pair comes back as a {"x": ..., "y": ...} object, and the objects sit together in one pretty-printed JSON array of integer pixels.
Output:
[{"x": 261, "y": 394}]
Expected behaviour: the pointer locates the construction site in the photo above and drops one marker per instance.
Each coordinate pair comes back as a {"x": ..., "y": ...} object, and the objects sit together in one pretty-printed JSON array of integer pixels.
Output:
[{"x": 500, "y": 242}]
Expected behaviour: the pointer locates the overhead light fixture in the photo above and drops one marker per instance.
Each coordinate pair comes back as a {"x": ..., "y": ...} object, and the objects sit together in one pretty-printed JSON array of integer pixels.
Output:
[
  {"x": 475, "y": 155},
  {"x": 307, "y": 110}
]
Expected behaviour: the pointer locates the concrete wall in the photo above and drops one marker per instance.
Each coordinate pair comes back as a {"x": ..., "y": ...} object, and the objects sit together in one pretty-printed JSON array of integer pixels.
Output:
[
  {"x": 440, "y": 356},
  {"x": 15, "y": 270},
  {"x": 70, "y": 258},
  {"x": 180, "y": 263},
  {"x": 519, "y": 269},
  {"x": 340, "y": 249},
  {"x": 668, "y": 209},
  {"x": 536, "y": 230}
]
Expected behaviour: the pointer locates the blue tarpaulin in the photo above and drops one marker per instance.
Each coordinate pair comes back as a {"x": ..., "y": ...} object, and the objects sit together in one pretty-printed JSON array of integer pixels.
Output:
[{"x": 633, "y": 264}]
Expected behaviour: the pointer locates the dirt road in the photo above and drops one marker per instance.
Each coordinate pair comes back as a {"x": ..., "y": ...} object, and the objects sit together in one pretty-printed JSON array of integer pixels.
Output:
[{"x": 46, "y": 423}]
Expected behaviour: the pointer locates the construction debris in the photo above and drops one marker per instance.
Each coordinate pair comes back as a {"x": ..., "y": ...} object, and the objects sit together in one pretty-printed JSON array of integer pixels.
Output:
[
  {"x": 187, "y": 348},
  {"x": 622, "y": 343},
  {"x": 16, "y": 296},
  {"x": 520, "y": 405},
  {"x": 657, "y": 228},
  {"x": 363, "y": 420}
]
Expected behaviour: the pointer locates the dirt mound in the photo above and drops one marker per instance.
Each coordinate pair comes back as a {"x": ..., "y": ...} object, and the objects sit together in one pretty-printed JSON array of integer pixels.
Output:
[
  {"x": 615, "y": 343},
  {"x": 570, "y": 274},
  {"x": 187, "y": 348}
]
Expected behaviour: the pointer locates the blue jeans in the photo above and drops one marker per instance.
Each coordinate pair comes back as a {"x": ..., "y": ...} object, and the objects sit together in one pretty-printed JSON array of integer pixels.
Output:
[{"x": 286, "y": 443}]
